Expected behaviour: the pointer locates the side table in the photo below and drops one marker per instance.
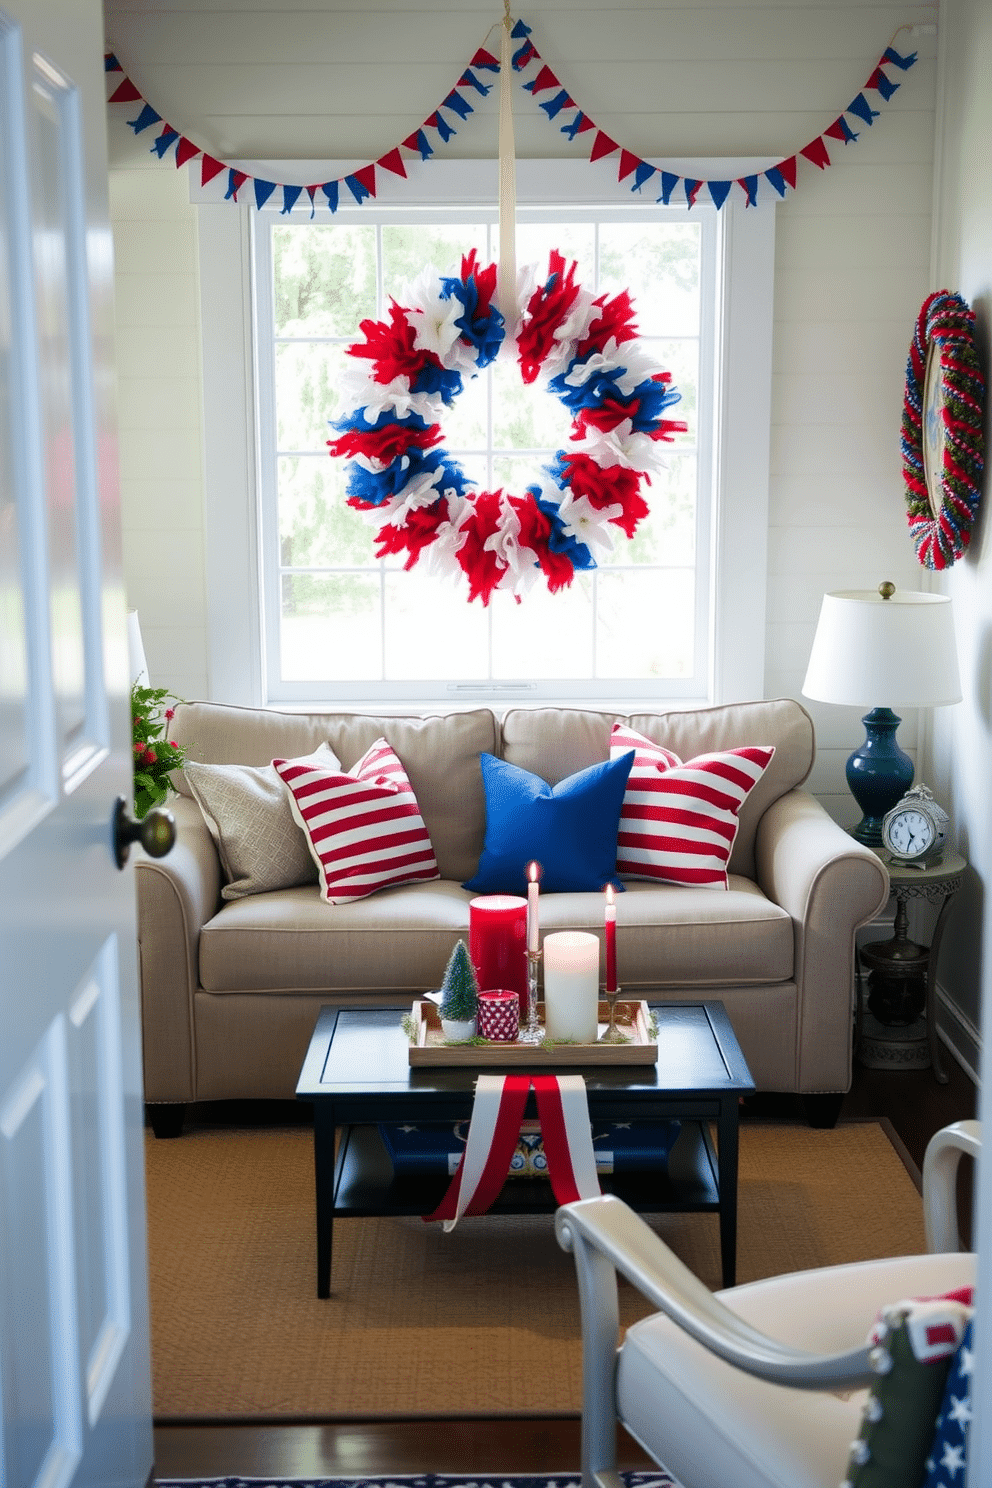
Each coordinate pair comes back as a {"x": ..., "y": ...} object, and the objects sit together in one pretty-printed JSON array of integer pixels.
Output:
[{"x": 902, "y": 975}]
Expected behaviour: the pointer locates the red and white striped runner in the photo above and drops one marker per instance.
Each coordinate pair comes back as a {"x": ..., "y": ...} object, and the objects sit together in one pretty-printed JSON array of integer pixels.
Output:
[{"x": 563, "y": 1111}]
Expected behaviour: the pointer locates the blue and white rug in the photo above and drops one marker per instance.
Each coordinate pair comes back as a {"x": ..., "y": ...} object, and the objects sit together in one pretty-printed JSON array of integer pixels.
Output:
[{"x": 658, "y": 1479}]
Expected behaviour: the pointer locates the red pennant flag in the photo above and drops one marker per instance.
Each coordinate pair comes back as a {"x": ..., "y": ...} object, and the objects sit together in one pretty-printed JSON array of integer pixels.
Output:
[
  {"x": 126, "y": 93},
  {"x": 816, "y": 153},
  {"x": 788, "y": 169},
  {"x": 483, "y": 58},
  {"x": 628, "y": 164},
  {"x": 367, "y": 177},
  {"x": 393, "y": 162},
  {"x": 411, "y": 142},
  {"x": 238, "y": 179},
  {"x": 209, "y": 167},
  {"x": 185, "y": 150},
  {"x": 431, "y": 123},
  {"x": 874, "y": 79},
  {"x": 545, "y": 79},
  {"x": 838, "y": 130},
  {"x": 602, "y": 145}
]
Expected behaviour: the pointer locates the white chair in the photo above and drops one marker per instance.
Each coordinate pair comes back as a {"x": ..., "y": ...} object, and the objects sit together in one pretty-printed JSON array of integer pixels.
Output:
[{"x": 755, "y": 1386}]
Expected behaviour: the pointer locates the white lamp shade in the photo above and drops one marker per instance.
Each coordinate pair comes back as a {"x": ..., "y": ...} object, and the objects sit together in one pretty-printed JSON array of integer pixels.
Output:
[
  {"x": 872, "y": 652},
  {"x": 137, "y": 665}
]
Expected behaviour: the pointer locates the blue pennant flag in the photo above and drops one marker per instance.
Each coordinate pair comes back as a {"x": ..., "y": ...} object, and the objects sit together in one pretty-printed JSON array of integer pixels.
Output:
[
  {"x": 330, "y": 190},
  {"x": 290, "y": 196},
  {"x": 468, "y": 79},
  {"x": 573, "y": 129},
  {"x": 891, "y": 55},
  {"x": 668, "y": 185},
  {"x": 421, "y": 143},
  {"x": 863, "y": 109},
  {"x": 111, "y": 64},
  {"x": 358, "y": 191},
  {"x": 848, "y": 133},
  {"x": 442, "y": 126},
  {"x": 885, "y": 85},
  {"x": 642, "y": 173},
  {"x": 750, "y": 184},
  {"x": 777, "y": 179},
  {"x": 263, "y": 190},
  {"x": 166, "y": 138},
  {"x": 691, "y": 188},
  {"x": 145, "y": 119},
  {"x": 719, "y": 191},
  {"x": 553, "y": 106},
  {"x": 458, "y": 104},
  {"x": 520, "y": 29}
]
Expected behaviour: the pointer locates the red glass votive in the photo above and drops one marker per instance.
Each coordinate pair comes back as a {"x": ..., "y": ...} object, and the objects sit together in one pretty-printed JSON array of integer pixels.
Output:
[
  {"x": 499, "y": 1015},
  {"x": 497, "y": 941}
]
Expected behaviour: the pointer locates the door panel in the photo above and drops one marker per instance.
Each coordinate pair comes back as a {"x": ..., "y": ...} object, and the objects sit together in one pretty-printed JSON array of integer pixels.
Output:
[{"x": 75, "y": 1382}]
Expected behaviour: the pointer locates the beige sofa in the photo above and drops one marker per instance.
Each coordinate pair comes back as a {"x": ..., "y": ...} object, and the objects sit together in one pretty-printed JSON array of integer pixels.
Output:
[{"x": 231, "y": 989}]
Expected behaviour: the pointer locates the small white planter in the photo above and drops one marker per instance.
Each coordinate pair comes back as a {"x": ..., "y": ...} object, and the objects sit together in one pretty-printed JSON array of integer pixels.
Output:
[{"x": 457, "y": 1030}]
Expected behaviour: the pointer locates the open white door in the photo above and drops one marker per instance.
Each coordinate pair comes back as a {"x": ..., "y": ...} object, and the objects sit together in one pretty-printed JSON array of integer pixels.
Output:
[{"x": 74, "y": 1348}]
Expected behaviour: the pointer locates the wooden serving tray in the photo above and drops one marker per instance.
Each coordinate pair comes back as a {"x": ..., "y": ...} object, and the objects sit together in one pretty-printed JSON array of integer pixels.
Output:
[{"x": 427, "y": 1044}]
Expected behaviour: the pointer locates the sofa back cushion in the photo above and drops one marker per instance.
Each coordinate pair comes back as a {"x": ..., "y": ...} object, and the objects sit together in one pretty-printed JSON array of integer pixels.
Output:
[
  {"x": 440, "y": 753},
  {"x": 555, "y": 742}
]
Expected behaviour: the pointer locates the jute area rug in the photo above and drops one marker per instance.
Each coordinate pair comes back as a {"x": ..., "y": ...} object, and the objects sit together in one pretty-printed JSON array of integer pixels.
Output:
[{"x": 480, "y": 1322}]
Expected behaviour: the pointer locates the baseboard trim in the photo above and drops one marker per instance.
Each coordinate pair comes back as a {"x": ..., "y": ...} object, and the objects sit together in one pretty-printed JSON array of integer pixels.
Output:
[{"x": 959, "y": 1034}]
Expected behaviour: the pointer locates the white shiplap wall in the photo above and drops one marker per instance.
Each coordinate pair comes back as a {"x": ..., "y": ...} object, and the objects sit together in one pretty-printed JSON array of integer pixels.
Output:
[{"x": 740, "y": 77}]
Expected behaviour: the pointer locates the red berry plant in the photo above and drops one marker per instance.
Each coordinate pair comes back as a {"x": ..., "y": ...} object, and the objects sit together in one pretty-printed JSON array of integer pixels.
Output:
[{"x": 155, "y": 754}]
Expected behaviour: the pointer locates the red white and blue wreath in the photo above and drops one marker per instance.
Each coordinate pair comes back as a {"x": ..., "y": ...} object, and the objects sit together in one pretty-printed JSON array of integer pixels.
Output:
[
  {"x": 414, "y": 365},
  {"x": 942, "y": 430}
]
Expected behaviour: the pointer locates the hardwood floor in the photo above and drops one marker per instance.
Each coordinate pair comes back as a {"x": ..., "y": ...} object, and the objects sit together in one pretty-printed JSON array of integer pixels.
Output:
[{"x": 912, "y": 1101}]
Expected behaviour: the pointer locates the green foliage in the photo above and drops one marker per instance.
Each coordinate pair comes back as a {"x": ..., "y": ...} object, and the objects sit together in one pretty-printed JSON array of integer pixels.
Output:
[
  {"x": 459, "y": 990},
  {"x": 154, "y": 755}
]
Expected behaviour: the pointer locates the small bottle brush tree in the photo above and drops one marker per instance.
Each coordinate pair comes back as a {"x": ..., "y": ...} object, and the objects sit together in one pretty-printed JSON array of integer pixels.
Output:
[{"x": 459, "y": 990}]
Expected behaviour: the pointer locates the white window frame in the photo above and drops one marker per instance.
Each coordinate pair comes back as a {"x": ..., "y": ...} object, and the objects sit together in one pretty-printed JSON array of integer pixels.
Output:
[{"x": 738, "y": 539}]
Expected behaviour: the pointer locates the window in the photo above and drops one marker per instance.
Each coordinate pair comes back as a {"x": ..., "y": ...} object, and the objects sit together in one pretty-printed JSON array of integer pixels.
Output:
[{"x": 301, "y": 610}]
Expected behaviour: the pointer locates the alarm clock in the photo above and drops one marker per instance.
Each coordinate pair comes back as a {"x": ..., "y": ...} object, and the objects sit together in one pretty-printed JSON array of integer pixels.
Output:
[{"x": 915, "y": 830}]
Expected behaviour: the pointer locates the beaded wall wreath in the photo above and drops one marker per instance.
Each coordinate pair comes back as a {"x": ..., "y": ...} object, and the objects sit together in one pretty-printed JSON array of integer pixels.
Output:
[
  {"x": 584, "y": 350},
  {"x": 942, "y": 437}
]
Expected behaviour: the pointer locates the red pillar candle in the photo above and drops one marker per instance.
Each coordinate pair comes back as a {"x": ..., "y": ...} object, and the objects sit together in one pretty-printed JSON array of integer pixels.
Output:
[
  {"x": 497, "y": 942},
  {"x": 611, "y": 941}
]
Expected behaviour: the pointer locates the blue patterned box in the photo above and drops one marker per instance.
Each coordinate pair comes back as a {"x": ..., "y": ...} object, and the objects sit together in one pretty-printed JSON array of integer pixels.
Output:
[{"x": 619, "y": 1146}]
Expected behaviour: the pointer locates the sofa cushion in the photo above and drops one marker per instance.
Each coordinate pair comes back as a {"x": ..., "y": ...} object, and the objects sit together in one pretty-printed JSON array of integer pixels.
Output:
[
  {"x": 569, "y": 829},
  {"x": 555, "y": 742},
  {"x": 249, "y": 816},
  {"x": 400, "y": 939},
  {"x": 440, "y": 753},
  {"x": 363, "y": 826},
  {"x": 679, "y": 819}
]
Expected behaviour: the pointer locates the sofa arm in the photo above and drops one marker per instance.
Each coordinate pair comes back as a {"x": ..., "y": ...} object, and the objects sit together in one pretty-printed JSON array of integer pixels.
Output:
[
  {"x": 830, "y": 884},
  {"x": 176, "y": 896}
]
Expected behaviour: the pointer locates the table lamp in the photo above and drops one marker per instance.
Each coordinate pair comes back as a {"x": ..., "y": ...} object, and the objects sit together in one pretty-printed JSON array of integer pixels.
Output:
[{"x": 896, "y": 645}]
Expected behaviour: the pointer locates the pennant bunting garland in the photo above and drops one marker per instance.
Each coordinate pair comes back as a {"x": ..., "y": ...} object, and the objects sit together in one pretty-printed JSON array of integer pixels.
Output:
[{"x": 559, "y": 106}]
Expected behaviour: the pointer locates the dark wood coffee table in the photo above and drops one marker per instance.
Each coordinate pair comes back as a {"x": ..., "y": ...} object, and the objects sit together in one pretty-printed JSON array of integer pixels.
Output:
[{"x": 357, "y": 1074}]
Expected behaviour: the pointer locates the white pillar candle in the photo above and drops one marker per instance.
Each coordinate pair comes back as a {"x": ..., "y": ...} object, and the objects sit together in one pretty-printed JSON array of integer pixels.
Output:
[{"x": 571, "y": 985}]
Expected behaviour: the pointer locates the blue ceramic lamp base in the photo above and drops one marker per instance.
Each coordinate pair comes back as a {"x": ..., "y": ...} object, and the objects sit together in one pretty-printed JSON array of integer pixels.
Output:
[{"x": 878, "y": 774}]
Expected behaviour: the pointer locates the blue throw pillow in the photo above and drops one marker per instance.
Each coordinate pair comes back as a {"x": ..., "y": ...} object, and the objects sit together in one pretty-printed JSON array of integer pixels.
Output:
[{"x": 570, "y": 829}]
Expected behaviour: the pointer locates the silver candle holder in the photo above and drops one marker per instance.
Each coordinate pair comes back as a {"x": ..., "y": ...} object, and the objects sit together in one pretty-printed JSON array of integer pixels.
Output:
[
  {"x": 531, "y": 1032},
  {"x": 612, "y": 1034}
]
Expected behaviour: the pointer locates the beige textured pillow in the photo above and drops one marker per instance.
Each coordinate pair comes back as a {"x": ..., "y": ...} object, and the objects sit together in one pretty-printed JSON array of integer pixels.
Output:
[{"x": 248, "y": 814}]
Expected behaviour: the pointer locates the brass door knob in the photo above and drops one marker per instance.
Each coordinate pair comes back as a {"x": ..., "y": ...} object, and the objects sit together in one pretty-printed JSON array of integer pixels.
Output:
[{"x": 156, "y": 832}]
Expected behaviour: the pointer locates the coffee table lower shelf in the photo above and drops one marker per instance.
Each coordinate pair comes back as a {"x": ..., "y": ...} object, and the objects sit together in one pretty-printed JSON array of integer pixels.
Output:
[{"x": 365, "y": 1184}]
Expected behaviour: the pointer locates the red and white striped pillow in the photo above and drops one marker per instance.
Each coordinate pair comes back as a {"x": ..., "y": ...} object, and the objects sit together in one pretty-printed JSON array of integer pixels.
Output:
[
  {"x": 363, "y": 826},
  {"x": 678, "y": 821}
]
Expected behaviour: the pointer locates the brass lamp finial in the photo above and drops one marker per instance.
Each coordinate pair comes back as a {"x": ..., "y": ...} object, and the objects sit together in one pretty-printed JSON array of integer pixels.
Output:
[{"x": 886, "y": 590}]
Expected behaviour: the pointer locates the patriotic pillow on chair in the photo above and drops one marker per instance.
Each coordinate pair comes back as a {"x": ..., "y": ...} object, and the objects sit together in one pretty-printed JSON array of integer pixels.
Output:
[
  {"x": 363, "y": 826},
  {"x": 679, "y": 820}
]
